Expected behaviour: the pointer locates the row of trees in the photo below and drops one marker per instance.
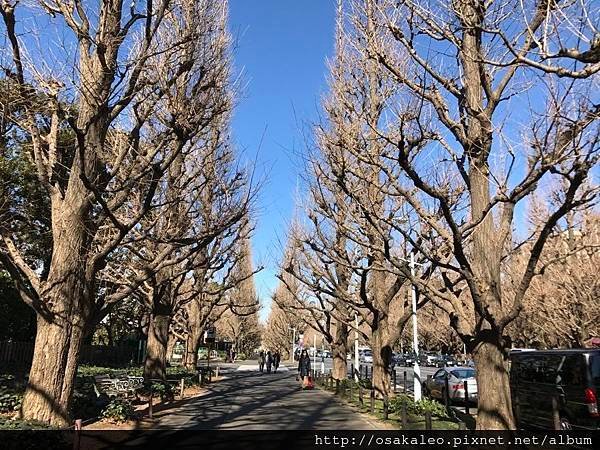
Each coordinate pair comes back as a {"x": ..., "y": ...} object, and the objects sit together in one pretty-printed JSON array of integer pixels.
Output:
[
  {"x": 121, "y": 192},
  {"x": 445, "y": 123}
]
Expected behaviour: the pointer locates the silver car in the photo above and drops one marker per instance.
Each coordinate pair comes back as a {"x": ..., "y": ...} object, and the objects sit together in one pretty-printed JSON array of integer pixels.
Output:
[
  {"x": 435, "y": 386},
  {"x": 367, "y": 356}
]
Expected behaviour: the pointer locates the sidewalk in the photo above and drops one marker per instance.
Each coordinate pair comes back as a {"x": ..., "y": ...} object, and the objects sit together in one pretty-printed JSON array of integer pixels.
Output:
[{"x": 245, "y": 399}]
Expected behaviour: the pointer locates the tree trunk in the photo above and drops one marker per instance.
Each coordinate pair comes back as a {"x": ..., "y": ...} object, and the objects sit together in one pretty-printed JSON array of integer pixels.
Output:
[
  {"x": 339, "y": 351},
  {"x": 171, "y": 346},
  {"x": 191, "y": 350},
  {"x": 156, "y": 347},
  {"x": 382, "y": 354},
  {"x": 494, "y": 411},
  {"x": 64, "y": 316},
  {"x": 51, "y": 378}
]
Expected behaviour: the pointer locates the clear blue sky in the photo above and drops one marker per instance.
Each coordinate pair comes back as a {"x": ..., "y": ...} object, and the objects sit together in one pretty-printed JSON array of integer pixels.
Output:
[{"x": 281, "y": 46}]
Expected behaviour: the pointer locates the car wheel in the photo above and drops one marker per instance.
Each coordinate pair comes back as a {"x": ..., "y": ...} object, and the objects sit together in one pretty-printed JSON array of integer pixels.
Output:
[{"x": 565, "y": 424}]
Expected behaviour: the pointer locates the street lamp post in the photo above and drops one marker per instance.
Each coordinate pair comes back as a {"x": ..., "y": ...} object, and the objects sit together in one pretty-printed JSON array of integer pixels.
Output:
[
  {"x": 293, "y": 344},
  {"x": 356, "y": 347},
  {"x": 315, "y": 352},
  {"x": 416, "y": 369},
  {"x": 322, "y": 354}
]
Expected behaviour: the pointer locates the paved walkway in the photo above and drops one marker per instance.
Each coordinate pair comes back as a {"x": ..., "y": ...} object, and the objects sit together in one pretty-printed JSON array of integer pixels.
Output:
[{"x": 248, "y": 400}]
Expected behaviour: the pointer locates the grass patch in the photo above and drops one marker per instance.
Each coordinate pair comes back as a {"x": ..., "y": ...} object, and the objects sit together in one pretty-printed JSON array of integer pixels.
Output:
[{"x": 415, "y": 413}]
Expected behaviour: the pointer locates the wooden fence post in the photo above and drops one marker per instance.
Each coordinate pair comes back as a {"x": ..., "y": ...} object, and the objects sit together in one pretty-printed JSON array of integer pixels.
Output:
[
  {"x": 150, "y": 402},
  {"x": 428, "y": 420},
  {"x": 555, "y": 413},
  {"x": 360, "y": 394},
  {"x": 385, "y": 407}
]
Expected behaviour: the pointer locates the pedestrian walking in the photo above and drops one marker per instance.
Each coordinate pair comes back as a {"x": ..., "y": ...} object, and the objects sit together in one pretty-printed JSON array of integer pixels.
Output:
[
  {"x": 261, "y": 361},
  {"x": 269, "y": 361},
  {"x": 276, "y": 360},
  {"x": 304, "y": 369}
]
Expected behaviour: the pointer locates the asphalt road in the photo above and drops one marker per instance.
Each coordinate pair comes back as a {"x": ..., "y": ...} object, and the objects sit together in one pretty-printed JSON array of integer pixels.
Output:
[
  {"x": 400, "y": 371},
  {"x": 246, "y": 399}
]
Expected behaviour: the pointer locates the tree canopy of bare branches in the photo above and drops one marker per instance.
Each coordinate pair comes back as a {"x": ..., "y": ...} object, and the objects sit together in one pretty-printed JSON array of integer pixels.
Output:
[{"x": 122, "y": 128}]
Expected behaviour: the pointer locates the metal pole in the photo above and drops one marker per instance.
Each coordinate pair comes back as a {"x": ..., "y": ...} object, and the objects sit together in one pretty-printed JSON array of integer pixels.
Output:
[
  {"x": 208, "y": 363},
  {"x": 416, "y": 369},
  {"x": 466, "y": 388},
  {"x": 315, "y": 352},
  {"x": 356, "y": 362},
  {"x": 293, "y": 344},
  {"x": 322, "y": 354}
]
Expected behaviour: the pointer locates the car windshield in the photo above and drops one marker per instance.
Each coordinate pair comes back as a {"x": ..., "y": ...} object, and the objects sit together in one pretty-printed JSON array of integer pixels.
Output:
[
  {"x": 463, "y": 373},
  {"x": 595, "y": 368}
]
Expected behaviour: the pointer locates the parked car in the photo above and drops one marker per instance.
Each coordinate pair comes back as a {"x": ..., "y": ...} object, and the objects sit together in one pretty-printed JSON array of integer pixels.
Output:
[
  {"x": 399, "y": 359},
  {"x": 367, "y": 356},
  {"x": 561, "y": 384},
  {"x": 409, "y": 360},
  {"x": 435, "y": 387},
  {"x": 446, "y": 361},
  {"x": 428, "y": 359}
]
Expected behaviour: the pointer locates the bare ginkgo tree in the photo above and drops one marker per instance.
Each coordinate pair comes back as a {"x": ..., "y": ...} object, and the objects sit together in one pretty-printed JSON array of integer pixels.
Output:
[
  {"x": 494, "y": 101},
  {"x": 135, "y": 98}
]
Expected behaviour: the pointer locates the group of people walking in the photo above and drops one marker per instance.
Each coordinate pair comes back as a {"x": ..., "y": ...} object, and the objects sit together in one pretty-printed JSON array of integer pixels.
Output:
[{"x": 269, "y": 360}]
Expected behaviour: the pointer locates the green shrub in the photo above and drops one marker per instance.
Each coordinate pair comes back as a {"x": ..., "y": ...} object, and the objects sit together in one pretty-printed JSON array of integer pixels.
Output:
[
  {"x": 92, "y": 371},
  {"x": 11, "y": 394},
  {"x": 397, "y": 402},
  {"x": 164, "y": 390},
  {"x": 434, "y": 407},
  {"x": 119, "y": 410},
  {"x": 10, "y": 401},
  {"x": 418, "y": 408},
  {"x": 366, "y": 383},
  {"x": 178, "y": 372},
  {"x": 19, "y": 424}
]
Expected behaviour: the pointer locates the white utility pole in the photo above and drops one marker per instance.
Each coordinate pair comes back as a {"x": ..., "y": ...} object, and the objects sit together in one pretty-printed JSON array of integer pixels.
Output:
[
  {"x": 315, "y": 352},
  {"x": 322, "y": 354},
  {"x": 356, "y": 347},
  {"x": 416, "y": 369},
  {"x": 293, "y": 344}
]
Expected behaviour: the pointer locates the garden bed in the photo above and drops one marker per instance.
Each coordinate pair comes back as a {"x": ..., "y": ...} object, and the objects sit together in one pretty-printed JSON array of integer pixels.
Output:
[{"x": 86, "y": 405}]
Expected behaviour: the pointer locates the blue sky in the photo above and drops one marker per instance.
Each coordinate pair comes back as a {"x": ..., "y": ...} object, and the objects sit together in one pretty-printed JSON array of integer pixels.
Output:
[{"x": 281, "y": 46}]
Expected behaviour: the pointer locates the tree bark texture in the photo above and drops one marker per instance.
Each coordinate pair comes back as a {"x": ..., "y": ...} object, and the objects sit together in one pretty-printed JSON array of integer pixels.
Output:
[
  {"x": 156, "y": 354},
  {"x": 382, "y": 353},
  {"x": 494, "y": 411},
  {"x": 339, "y": 351},
  {"x": 63, "y": 316}
]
